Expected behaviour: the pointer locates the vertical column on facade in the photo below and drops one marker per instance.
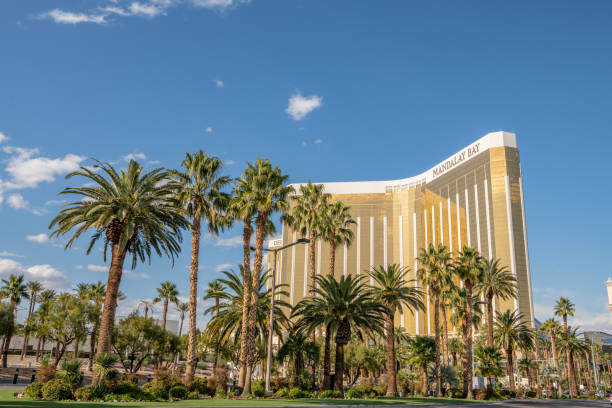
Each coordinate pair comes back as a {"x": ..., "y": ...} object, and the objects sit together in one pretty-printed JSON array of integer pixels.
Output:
[
  {"x": 426, "y": 244},
  {"x": 477, "y": 210},
  {"x": 526, "y": 251},
  {"x": 345, "y": 260},
  {"x": 319, "y": 243},
  {"x": 450, "y": 224},
  {"x": 511, "y": 234},
  {"x": 488, "y": 216},
  {"x": 292, "y": 293},
  {"x": 441, "y": 221},
  {"x": 384, "y": 241},
  {"x": 459, "y": 247},
  {"x": 415, "y": 248},
  {"x": 358, "y": 271},
  {"x": 433, "y": 224},
  {"x": 467, "y": 215},
  {"x": 371, "y": 247},
  {"x": 400, "y": 230},
  {"x": 306, "y": 260}
]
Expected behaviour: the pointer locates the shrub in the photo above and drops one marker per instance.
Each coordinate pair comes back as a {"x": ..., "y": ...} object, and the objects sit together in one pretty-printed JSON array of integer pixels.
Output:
[
  {"x": 193, "y": 395},
  {"x": 298, "y": 393},
  {"x": 531, "y": 394},
  {"x": 480, "y": 394},
  {"x": 164, "y": 379},
  {"x": 45, "y": 372},
  {"x": 258, "y": 389},
  {"x": 98, "y": 390},
  {"x": 199, "y": 385},
  {"x": 130, "y": 397},
  {"x": 56, "y": 390},
  {"x": 364, "y": 388},
  {"x": 83, "y": 394},
  {"x": 178, "y": 392},
  {"x": 220, "y": 394},
  {"x": 283, "y": 392},
  {"x": 354, "y": 394},
  {"x": 111, "y": 397},
  {"x": 330, "y": 394},
  {"x": 34, "y": 390},
  {"x": 156, "y": 391},
  {"x": 379, "y": 390},
  {"x": 124, "y": 387}
]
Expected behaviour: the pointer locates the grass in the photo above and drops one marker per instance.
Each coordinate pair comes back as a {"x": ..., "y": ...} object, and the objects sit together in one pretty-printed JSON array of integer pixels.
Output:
[{"x": 7, "y": 400}]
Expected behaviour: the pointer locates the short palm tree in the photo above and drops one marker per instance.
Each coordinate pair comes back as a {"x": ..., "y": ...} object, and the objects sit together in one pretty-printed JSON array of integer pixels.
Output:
[
  {"x": 269, "y": 195},
  {"x": 495, "y": 282},
  {"x": 432, "y": 274},
  {"x": 395, "y": 292},
  {"x": 15, "y": 289},
  {"x": 146, "y": 305},
  {"x": 564, "y": 308},
  {"x": 215, "y": 291},
  {"x": 573, "y": 345},
  {"x": 182, "y": 308},
  {"x": 422, "y": 352},
  {"x": 298, "y": 348},
  {"x": 346, "y": 303},
  {"x": 200, "y": 193},
  {"x": 469, "y": 269},
  {"x": 489, "y": 363},
  {"x": 525, "y": 366},
  {"x": 336, "y": 229},
  {"x": 511, "y": 331},
  {"x": 455, "y": 348},
  {"x": 34, "y": 288},
  {"x": 167, "y": 293},
  {"x": 95, "y": 294},
  {"x": 552, "y": 329},
  {"x": 133, "y": 212}
]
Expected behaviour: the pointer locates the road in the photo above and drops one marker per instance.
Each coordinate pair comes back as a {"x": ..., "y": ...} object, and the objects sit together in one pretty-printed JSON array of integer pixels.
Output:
[{"x": 540, "y": 403}]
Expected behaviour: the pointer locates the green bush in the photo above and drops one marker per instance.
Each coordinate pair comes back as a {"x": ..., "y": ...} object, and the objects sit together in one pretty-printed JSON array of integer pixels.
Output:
[
  {"x": 56, "y": 390},
  {"x": 98, "y": 390},
  {"x": 298, "y": 393},
  {"x": 193, "y": 395},
  {"x": 157, "y": 391},
  {"x": 199, "y": 385},
  {"x": 379, "y": 390},
  {"x": 258, "y": 389},
  {"x": 220, "y": 394},
  {"x": 124, "y": 387},
  {"x": 283, "y": 392},
  {"x": 83, "y": 394},
  {"x": 111, "y": 397},
  {"x": 34, "y": 390},
  {"x": 354, "y": 394},
  {"x": 531, "y": 394},
  {"x": 330, "y": 394},
  {"x": 178, "y": 392},
  {"x": 363, "y": 389}
]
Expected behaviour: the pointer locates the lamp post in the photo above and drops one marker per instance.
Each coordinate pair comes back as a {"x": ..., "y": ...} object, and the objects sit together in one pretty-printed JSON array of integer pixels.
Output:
[{"x": 275, "y": 251}]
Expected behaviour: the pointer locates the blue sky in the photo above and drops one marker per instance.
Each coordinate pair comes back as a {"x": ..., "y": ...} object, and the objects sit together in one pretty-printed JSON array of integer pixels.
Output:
[{"x": 327, "y": 90}]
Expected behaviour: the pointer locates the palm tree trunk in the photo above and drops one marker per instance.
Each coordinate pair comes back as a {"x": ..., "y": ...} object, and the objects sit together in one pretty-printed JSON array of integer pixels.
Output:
[
  {"x": 510, "y": 367},
  {"x": 467, "y": 347},
  {"x": 38, "y": 350},
  {"x": 110, "y": 299},
  {"x": 490, "y": 318},
  {"x": 181, "y": 326},
  {"x": 445, "y": 335},
  {"x": 332, "y": 256},
  {"x": 437, "y": 339},
  {"x": 246, "y": 249},
  {"x": 327, "y": 359},
  {"x": 165, "y": 314},
  {"x": 339, "y": 367},
  {"x": 572, "y": 373},
  {"x": 424, "y": 387},
  {"x": 193, "y": 294},
  {"x": 537, "y": 367},
  {"x": 7, "y": 339},
  {"x": 391, "y": 374},
  {"x": 313, "y": 285},
  {"x": 25, "y": 344},
  {"x": 260, "y": 234},
  {"x": 75, "y": 353}
]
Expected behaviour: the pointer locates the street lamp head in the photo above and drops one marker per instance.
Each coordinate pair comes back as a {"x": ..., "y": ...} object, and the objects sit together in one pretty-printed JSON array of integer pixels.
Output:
[{"x": 303, "y": 241}]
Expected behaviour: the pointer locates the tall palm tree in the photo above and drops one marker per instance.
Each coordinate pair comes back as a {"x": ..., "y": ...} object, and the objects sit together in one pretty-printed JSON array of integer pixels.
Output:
[
  {"x": 395, "y": 292},
  {"x": 553, "y": 330},
  {"x": 422, "y": 352},
  {"x": 95, "y": 294},
  {"x": 469, "y": 269},
  {"x": 46, "y": 296},
  {"x": 269, "y": 195},
  {"x": 432, "y": 274},
  {"x": 133, "y": 212},
  {"x": 215, "y": 291},
  {"x": 182, "y": 308},
  {"x": 200, "y": 193},
  {"x": 563, "y": 308},
  {"x": 510, "y": 332},
  {"x": 447, "y": 290},
  {"x": 168, "y": 293},
  {"x": 14, "y": 289},
  {"x": 489, "y": 363},
  {"x": 297, "y": 347},
  {"x": 495, "y": 282},
  {"x": 34, "y": 288},
  {"x": 347, "y": 304},
  {"x": 573, "y": 345}
]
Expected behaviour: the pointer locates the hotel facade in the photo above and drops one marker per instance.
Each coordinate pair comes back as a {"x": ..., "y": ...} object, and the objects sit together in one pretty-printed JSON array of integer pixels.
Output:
[{"x": 474, "y": 198}]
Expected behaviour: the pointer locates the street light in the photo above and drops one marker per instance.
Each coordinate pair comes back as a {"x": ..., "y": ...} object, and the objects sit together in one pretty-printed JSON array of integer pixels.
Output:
[{"x": 271, "y": 323}]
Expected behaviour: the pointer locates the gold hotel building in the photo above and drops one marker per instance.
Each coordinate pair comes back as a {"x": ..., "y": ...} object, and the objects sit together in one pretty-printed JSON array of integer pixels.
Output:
[{"x": 473, "y": 198}]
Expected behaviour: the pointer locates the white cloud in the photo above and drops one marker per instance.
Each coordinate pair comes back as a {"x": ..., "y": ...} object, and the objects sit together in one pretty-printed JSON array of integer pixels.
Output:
[
  {"x": 218, "y": 4},
  {"x": 46, "y": 274},
  {"x": 299, "y": 106},
  {"x": 208, "y": 129},
  {"x": 17, "y": 201},
  {"x": 229, "y": 242},
  {"x": 318, "y": 141},
  {"x": 223, "y": 267},
  {"x": 229, "y": 162},
  {"x": 146, "y": 10},
  {"x": 10, "y": 254},
  {"x": 79, "y": 267},
  {"x": 134, "y": 156},
  {"x": 219, "y": 83},
  {"x": 41, "y": 238},
  {"x": 97, "y": 268},
  {"x": 3, "y": 137},
  {"x": 68, "y": 17}
]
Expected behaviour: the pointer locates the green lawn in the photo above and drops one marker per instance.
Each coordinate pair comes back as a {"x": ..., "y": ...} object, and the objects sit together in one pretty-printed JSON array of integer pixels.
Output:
[{"x": 7, "y": 400}]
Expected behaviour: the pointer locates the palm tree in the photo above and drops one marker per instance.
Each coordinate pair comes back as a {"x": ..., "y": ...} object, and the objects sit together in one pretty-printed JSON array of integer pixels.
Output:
[
  {"x": 298, "y": 348},
  {"x": 95, "y": 294},
  {"x": 182, "y": 308},
  {"x": 34, "y": 288},
  {"x": 146, "y": 305},
  {"x": 510, "y": 332},
  {"x": 393, "y": 290},
  {"x": 552, "y": 329},
  {"x": 495, "y": 282},
  {"x": 432, "y": 273},
  {"x": 422, "y": 352},
  {"x": 564, "y": 307},
  {"x": 489, "y": 364},
  {"x": 46, "y": 296},
  {"x": 345, "y": 304},
  {"x": 215, "y": 291},
  {"x": 454, "y": 348},
  {"x": 14, "y": 289},
  {"x": 168, "y": 293},
  {"x": 447, "y": 289},
  {"x": 469, "y": 270},
  {"x": 133, "y": 212},
  {"x": 269, "y": 195},
  {"x": 525, "y": 367}
]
